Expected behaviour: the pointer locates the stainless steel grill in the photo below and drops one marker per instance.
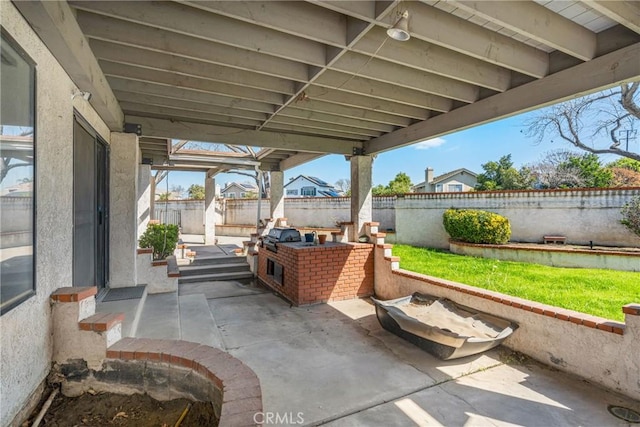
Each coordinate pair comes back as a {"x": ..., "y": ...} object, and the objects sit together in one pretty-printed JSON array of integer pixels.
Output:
[{"x": 280, "y": 235}]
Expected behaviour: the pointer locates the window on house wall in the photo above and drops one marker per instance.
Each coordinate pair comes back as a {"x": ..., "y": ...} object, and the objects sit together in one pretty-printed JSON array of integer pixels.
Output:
[
  {"x": 17, "y": 175},
  {"x": 439, "y": 188},
  {"x": 308, "y": 191},
  {"x": 292, "y": 192},
  {"x": 455, "y": 188}
]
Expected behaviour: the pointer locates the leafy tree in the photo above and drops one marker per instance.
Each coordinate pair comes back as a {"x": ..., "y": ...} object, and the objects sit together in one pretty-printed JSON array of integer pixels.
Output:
[
  {"x": 164, "y": 196},
  {"x": 567, "y": 169},
  {"x": 196, "y": 192},
  {"x": 401, "y": 184},
  {"x": 626, "y": 163},
  {"x": 625, "y": 177},
  {"x": 593, "y": 174},
  {"x": 592, "y": 123},
  {"x": 250, "y": 195},
  {"x": 501, "y": 175},
  {"x": 631, "y": 215}
]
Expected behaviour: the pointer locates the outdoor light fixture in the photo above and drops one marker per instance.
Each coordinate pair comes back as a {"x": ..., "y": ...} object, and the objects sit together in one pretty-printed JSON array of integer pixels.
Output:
[
  {"x": 400, "y": 30},
  {"x": 85, "y": 95}
]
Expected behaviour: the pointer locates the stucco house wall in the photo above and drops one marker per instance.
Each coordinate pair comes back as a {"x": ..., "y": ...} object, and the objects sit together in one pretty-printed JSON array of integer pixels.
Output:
[
  {"x": 580, "y": 215},
  {"x": 25, "y": 338}
]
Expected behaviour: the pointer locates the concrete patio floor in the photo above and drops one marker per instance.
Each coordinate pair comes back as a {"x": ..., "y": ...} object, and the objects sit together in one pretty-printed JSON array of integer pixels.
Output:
[{"x": 333, "y": 364}]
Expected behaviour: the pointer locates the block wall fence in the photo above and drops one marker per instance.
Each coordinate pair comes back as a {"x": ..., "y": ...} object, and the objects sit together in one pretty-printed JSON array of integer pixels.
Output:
[{"x": 581, "y": 215}]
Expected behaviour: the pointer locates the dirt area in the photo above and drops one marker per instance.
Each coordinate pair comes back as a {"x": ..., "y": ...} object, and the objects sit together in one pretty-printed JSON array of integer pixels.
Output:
[{"x": 140, "y": 410}]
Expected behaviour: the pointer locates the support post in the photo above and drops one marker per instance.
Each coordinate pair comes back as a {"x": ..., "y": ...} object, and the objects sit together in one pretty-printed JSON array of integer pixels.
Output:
[
  {"x": 361, "y": 201},
  {"x": 209, "y": 210},
  {"x": 144, "y": 197},
  {"x": 276, "y": 200},
  {"x": 123, "y": 236}
]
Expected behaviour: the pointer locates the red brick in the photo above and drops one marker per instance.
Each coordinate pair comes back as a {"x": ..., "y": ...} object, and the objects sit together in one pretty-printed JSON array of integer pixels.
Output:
[
  {"x": 549, "y": 312},
  {"x": 631, "y": 309},
  {"x": 73, "y": 294}
]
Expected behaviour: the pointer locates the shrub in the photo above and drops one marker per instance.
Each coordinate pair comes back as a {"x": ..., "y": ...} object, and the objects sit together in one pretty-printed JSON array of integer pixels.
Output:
[
  {"x": 631, "y": 215},
  {"x": 475, "y": 226},
  {"x": 162, "y": 238}
]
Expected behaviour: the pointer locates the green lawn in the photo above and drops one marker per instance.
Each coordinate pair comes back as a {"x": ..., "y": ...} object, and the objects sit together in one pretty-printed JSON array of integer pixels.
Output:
[{"x": 597, "y": 292}]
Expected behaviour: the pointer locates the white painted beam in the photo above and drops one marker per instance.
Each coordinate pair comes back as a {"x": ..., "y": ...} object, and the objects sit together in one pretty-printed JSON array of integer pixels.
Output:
[
  {"x": 330, "y": 97},
  {"x": 297, "y": 129},
  {"x": 115, "y": 30},
  {"x": 146, "y": 88},
  {"x": 626, "y": 13},
  {"x": 335, "y": 118},
  {"x": 312, "y": 125},
  {"x": 184, "y": 19},
  {"x": 132, "y": 72},
  {"x": 384, "y": 91},
  {"x": 160, "y": 101},
  {"x": 537, "y": 22},
  {"x": 295, "y": 18},
  {"x": 434, "y": 59},
  {"x": 298, "y": 159},
  {"x": 229, "y": 135},
  {"x": 444, "y": 29},
  {"x": 605, "y": 71},
  {"x": 410, "y": 78},
  {"x": 186, "y": 66},
  {"x": 132, "y": 108},
  {"x": 56, "y": 26},
  {"x": 311, "y": 107}
]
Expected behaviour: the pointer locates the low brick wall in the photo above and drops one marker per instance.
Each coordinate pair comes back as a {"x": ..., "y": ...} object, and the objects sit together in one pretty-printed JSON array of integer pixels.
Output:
[
  {"x": 557, "y": 256},
  {"x": 312, "y": 274},
  {"x": 600, "y": 350},
  {"x": 170, "y": 369}
]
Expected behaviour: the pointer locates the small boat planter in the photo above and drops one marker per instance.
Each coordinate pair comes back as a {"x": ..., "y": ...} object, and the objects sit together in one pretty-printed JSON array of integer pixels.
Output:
[{"x": 442, "y": 327}]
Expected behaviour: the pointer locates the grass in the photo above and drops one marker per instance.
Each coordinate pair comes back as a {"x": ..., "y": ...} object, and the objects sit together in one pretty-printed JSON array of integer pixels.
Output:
[{"x": 598, "y": 292}]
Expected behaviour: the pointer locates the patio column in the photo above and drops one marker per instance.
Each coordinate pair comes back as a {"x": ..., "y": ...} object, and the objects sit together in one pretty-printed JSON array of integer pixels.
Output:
[
  {"x": 152, "y": 201},
  {"x": 361, "y": 202},
  {"x": 276, "y": 199},
  {"x": 123, "y": 234},
  {"x": 209, "y": 210},
  {"x": 144, "y": 197}
]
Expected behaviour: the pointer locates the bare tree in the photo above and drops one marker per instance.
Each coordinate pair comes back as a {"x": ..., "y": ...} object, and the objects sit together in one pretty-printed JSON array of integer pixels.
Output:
[
  {"x": 343, "y": 185},
  {"x": 554, "y": 171},
  {"x": 592, "y": 123}
]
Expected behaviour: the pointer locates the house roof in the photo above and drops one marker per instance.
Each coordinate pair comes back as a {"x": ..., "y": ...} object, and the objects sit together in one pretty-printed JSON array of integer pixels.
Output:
[
  {"x": 446, "y": 176},
  {"x": 312, "y": 179},
  {"x": 242, "y": 186},
  {"x": 313, "y": 78}
]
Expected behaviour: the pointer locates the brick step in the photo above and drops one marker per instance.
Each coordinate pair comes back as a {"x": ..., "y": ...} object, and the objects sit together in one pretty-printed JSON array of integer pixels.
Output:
[
  {"x": 242, "y": 275},
  {"x": 218, "y": 259},
  {"x": 197, "y": 270},
  {"x": 101, "y": 322}
]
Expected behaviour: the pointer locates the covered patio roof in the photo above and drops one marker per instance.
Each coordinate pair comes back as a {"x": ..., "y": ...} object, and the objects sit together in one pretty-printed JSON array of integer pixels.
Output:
[{"x": 305, "y": 79}]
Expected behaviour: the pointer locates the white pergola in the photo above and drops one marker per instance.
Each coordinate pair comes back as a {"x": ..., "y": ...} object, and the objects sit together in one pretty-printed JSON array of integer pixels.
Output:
[{"x": 302, "y": 79}]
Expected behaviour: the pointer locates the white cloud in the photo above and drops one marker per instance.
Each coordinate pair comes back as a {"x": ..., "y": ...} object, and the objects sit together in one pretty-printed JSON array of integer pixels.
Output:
[{"x": 429, "y": 143}]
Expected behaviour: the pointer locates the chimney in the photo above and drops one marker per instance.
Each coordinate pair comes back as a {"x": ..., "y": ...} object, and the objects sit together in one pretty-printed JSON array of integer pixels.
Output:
[{"x": 428, "y": 175}]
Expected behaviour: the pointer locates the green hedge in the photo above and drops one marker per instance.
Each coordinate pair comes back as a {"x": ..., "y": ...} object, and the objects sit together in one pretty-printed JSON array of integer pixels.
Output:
[
  {"x": 162, "y": 238},
  {"x": 475, "y": 226}
]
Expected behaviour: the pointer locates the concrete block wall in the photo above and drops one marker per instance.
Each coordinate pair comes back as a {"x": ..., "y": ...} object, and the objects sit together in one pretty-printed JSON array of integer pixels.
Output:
[{"x": 580, "y": 215}]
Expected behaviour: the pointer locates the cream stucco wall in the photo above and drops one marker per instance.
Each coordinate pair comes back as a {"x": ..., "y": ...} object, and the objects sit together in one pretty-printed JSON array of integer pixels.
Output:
[
  {"x": 580, "y": 215},
  {"x": 599, "y": 356},
  {"x": 25, "y": 331}
]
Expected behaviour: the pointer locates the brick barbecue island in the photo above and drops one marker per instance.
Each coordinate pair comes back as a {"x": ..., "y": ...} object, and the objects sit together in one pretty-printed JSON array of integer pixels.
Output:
[{"x": 307, "y": 274}]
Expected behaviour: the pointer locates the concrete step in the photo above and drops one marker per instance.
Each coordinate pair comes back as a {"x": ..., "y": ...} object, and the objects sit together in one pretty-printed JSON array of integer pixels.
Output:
[
  {"x": 132, "y": 309},
  {"x": 218, "y": 259},
  {"x": 197, "y": 270},
  {"x": 197, "y": 323},
  {"x": 238, "y": 275},
  {"x": 160, "y": 317}
]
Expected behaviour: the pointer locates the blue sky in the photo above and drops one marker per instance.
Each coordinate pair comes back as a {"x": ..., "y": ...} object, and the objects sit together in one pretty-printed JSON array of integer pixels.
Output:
[{"x": 465, "y": 149}]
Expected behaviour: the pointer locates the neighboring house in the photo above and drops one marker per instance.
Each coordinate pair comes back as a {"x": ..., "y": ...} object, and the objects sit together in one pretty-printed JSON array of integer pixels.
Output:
[
  {"x": 309, "y": 186},
  {"x": 455, "y": 181},
  {"x": 234, "y": 190}
]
